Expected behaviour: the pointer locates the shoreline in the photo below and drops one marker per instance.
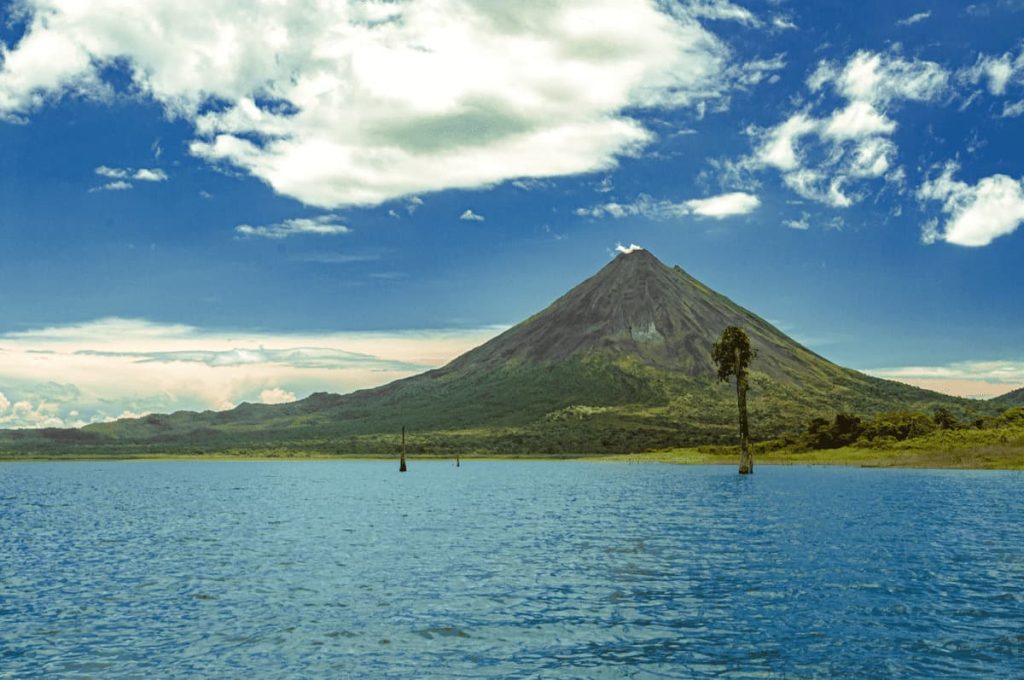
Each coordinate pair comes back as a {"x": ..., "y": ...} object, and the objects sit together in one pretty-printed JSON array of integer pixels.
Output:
[{"x": 1010, "y": 458}]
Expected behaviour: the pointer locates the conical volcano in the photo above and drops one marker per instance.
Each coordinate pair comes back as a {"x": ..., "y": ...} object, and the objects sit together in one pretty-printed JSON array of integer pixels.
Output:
[
  {"x": 639, "y": 308},
  {"x": 620, "y": 363}
]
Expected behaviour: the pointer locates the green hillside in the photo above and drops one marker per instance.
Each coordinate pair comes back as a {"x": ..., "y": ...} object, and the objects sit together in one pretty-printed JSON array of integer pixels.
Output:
[
  {"x": 1014, "y": 398},
  {"x": 620, "y": 363}
]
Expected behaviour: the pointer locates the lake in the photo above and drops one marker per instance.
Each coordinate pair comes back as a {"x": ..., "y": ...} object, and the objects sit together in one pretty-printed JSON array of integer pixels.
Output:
[{"x": 518, "y": 569}]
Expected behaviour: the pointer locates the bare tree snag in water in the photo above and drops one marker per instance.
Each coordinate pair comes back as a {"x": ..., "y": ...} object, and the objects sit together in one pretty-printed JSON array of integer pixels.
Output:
[
  {"x": 732, "y": 355},
  {"x": 401, "y": 465}
]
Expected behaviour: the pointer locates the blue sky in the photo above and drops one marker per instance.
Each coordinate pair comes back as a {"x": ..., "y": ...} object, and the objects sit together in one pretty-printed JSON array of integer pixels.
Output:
[{"x": 382, "y": 185}]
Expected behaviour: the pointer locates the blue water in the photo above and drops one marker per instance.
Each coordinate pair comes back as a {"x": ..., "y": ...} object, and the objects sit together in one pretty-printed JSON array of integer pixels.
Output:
[{"x": 518, "y": 569}]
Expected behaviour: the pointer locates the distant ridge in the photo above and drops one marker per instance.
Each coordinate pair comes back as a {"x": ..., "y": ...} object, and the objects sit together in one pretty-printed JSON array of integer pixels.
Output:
[
  {"x": 1014, "y": 398},
  {"x": 619, "y": 363}
]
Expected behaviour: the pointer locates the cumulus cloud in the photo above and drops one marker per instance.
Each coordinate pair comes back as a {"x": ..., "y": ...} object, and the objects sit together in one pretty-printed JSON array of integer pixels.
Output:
[
  {"x": 324, "y": 225},
  {"x": 976, "y": 214},
  {"x": 626, "y": 250},
  {"x": 880, "y": 79},
  {"x": 471, "y": 216},
  {"x": 718, "y": 207},
  {"x": 276, "y": 396},
  {"x": 115, "y": 368},
  {"x": 150, "y": 175},
  {"x": 26, "y": 413},
  {"x": 357, "y": 103},
  {"x": 859, "y": 119},
  {"x": 824, "y": 156},
  {"x": 778, "y": 148}
]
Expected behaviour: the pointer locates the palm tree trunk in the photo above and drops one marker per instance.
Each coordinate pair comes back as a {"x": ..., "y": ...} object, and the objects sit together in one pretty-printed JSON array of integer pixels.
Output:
[{"x": 746, "y": 460}]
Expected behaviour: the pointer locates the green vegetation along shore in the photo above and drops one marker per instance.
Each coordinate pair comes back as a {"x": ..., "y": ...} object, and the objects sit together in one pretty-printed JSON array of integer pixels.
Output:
[
  {"x": 898, "y": 439},
  {"x": 966, "y": 458}
]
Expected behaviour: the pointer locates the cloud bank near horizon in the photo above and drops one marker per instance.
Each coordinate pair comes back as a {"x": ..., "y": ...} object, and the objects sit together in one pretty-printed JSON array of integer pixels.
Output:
[{"x": 73, "y": 375}]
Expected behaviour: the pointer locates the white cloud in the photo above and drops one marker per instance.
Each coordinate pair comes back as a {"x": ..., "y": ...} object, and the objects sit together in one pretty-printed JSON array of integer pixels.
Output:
[
  {"x": 780, "y": 143},
  {"x": 859, "y": 119},
  {"x": 626, "y": 250},
  {"x": 122, "y": 175},
  {"x": 880, "y": 78},
  {"x": 150, "y": 175},
  {"x": 471, "y": 216},
  {"x": 723, "y": 10},
  {"x": 914, "y": 18},
  {"x": 119, "y": 185},
  {"x": 726, "y": 205},
  {"x": 113, "y": 367},
  {"x": 718, "y": 207},
  {"x": 998, "y": 72},
  {"x": 355, "y": 103},
  {"x": 25, "y": 413},
  {"x": 412, "y": 204},
  {"x": 780, "y": 23},
  {"x": 977, "y": 214},
  {"x": 872, "y": 158},
  {"x": 753, "y": 72},
  {"x": 529, "y": 184},
  {"x": 824, "y": 157},
  {"x": 644, "y": 205},
  {"x": 324, "y": 225},
  {"x": 1013, "y": 110},
  {"x": 114, "y": 173},
  {"x": 801, "y": 224},
  {"x": 276, "y": 396}
]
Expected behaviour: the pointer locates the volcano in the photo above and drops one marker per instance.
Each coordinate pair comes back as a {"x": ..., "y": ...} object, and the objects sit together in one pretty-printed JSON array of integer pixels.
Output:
[
  {"x": 622, "y": 362},
  {"x": 638, "y": 308}
]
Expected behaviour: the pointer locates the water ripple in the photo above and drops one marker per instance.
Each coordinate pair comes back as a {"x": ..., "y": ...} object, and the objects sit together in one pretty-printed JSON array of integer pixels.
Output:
[{"x": 507, "y": 569}]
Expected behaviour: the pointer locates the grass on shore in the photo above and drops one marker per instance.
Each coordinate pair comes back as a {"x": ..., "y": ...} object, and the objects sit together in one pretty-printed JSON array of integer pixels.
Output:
[
  {"x": 993, "y": 457},
  {"x": 989, "y": 457}
]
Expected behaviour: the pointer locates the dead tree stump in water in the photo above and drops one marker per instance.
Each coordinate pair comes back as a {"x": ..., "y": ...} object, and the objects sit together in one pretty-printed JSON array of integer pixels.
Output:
[{"x": 401, "y": 465}]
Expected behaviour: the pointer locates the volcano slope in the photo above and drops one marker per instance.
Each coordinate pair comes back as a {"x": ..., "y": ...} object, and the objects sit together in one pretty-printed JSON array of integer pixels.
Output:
[{"x": 621, "y": 363}]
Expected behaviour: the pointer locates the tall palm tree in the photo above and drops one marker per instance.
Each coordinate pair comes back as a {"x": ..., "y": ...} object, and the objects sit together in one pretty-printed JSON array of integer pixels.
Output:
[{"x": 732, "y": 355}]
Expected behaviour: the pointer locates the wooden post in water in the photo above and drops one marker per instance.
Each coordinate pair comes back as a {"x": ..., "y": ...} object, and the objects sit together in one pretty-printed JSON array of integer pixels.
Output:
[
  {"x": 401, "y": 465},
  {"x": 456, "y": 460}
]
